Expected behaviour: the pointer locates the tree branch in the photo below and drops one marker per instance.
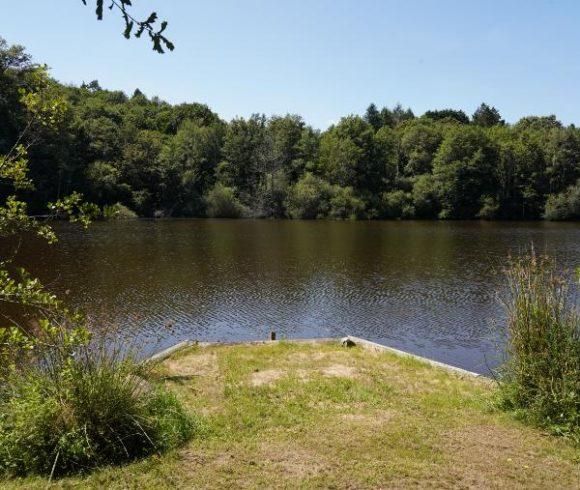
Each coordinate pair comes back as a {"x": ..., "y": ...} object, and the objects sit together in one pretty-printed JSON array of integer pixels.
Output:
[{"x": 160, "y": 42}]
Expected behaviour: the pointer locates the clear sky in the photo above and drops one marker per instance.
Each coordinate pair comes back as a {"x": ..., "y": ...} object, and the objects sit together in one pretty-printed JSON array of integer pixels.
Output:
[{"x": 322, "y": 58}]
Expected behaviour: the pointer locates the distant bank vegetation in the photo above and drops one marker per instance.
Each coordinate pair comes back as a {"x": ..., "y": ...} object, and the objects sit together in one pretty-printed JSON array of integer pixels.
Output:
[{"x": 158, "y": 159}]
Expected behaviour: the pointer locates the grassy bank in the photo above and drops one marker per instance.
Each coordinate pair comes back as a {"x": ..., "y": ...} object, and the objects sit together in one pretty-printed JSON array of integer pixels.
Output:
[{"x": 287, "y": 415}]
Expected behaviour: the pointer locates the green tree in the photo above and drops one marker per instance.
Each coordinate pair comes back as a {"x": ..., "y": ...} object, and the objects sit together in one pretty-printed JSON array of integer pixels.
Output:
[
  {"x": 247, "y": 159},
  {"x": 563, "y": 158},
  {"x": 188, "y": 163},
  {"x": 424, "y": 195},
  {"x": 538, "y": 123},
  {"x": 448, "y": 114},
  {"x": 104, "y": 182},
  {"x": 464, "y": 172},
  {"x": 521, "y": 173},
  {"x": 373, "y": 117},
  {"x": 351, "y": 155},
  {"x": 222, "y": 202},
  {"x": 307, "y": 147},
  {"x": 285, "y": 134},
  {"x": 565, "y": 205},
  {"x": 419, "y": 141},
  {"x": 344, "y": 204},
  {"x": 487, "y": 116},
  {"x": 399, "y": 115},
  {"x": 309, "y": 198},
  {"x": 397, "y": 204},
  {"x": 140, "y": 169}
]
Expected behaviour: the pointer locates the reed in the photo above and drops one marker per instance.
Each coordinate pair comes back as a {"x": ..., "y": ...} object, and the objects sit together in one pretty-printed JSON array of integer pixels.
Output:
[{"x": 541, "y": 379}]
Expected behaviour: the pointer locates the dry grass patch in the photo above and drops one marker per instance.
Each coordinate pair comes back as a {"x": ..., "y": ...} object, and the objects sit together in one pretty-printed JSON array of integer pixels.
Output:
[
  {"x": 492, "y": 456},
  {"x": 201, "y": 364},
  {"x": 267, "y": 377}
]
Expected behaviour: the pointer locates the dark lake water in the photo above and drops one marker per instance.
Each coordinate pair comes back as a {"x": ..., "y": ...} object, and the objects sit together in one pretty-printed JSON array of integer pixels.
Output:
[{"x": 427, "y": 287}]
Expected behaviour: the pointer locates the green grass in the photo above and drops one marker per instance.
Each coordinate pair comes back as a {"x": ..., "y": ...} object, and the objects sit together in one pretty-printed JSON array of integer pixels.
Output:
[{"x": 305, "y": 416}]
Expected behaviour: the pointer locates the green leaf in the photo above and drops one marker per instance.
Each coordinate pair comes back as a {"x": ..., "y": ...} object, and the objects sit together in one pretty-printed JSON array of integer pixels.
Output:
[
  {"x": 128, "y": 29},
  {"x": 99, "y": 10}
]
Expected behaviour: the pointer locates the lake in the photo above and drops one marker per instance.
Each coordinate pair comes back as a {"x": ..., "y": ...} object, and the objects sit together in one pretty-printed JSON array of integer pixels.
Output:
[{"x": 427, "y": 287}]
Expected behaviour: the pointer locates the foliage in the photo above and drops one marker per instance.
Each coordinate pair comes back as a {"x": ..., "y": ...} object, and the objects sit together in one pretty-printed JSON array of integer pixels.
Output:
[
  {"x": 221, "y": 202},
  {"x": 66, "y": 402},
  {"x": 448, "y": 115},
  {"x": 117, "y": 211},
  {"x": 564, "y": 206},
  {"x": 541, "y": 379},
  {"x": 486, "y": 116},
  {"x": 159, "y": 159},
  {"x": 83, "y": 414},
  {"x": 309, "y": 198},
  {"x": 345, "y": 205},
  {"x": 424, "y": 196},
  {"x": 463, "y": 171},
  {"x": 158, "y": 40},
  {"x": 397, "y": 204}
]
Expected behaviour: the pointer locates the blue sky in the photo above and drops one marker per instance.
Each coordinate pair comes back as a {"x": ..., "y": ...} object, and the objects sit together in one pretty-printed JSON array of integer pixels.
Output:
[{"x": 322, "y": 58}]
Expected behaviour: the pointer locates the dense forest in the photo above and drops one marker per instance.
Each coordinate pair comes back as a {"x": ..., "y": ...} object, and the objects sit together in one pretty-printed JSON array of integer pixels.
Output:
[{"x": 158, "y": 159}]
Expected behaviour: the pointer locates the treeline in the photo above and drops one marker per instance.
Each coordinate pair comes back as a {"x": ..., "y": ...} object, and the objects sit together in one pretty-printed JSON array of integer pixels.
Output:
[{"x": 183, "y": 160}]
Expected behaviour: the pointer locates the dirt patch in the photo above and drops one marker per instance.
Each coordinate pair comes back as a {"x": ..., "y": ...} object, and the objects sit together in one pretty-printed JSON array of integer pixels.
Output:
[
  {"x": 500, "y": 457},
  {"x": 266, "y": 377},
  {"x": 204, "y": 364},
  {"x": 374, "y": 419},
  {"x": 193, "y": 459},
  {"x": 292, "y": 460},
  {"x": 270, "y": 376},
  {"x": 340, "y": 371}
]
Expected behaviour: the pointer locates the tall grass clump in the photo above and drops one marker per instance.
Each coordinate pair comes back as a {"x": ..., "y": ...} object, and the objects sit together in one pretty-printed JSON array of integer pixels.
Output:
[
  {"x": 541, "y": 378},
  {"x": 71, "y": 400}
]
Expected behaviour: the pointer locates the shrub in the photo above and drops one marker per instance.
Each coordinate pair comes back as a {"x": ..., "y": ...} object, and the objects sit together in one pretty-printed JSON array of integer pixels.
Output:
[
  {"x": 309, "y": 198},
  {"x": 541, "y": 379},
  {"x": 489, "y": 208},
  {"x": 344, "y": 204},
  {"x": 117, "y": 211},
  {"x": 96, "y": 415},
  {"x": 425, "y": 197},
  {"x": 71, "y": 400},
  {"x": 221, "y": 202},
  {"x": 397, "y": 204},
  {"x": 142, "y": 202},
  {"x": 564, "y": 206}
]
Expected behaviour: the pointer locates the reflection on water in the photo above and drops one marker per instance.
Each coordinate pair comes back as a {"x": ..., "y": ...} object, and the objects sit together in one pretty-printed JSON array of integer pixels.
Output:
[{"x": 427, "y": 287}]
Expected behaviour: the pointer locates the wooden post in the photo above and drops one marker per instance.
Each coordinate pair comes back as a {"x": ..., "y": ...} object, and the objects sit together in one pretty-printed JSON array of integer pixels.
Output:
[{"x": 272, "y": 335}]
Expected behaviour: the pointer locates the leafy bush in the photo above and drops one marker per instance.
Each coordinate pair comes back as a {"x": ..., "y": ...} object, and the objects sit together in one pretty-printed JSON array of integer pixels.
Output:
[
  {"x": 564, "y": 206},
  {"x": 425, "y": 197},
  {"x": 344, "y": 204},
  {"x": 309, "y": 198},
  {"x": 489, "y": 207},
  {"x": 117, "y": 211},
  {"x": 541, "y": 379},
  {"x": 221, "y": 202},
  {"x": 397, "y": 204}
]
